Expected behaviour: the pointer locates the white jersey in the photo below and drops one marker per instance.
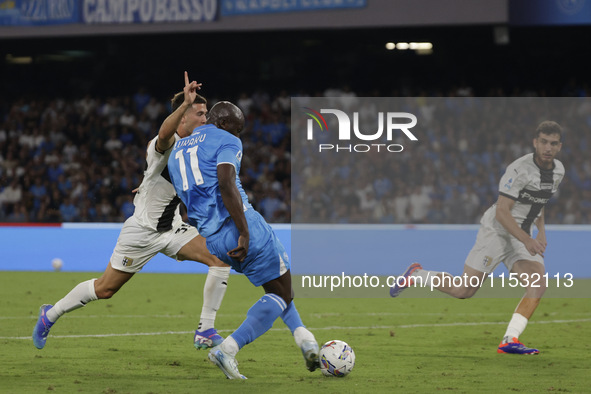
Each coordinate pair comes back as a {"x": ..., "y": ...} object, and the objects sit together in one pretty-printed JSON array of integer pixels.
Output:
[
  {"x": 530, "y": 186},
  {"x": 156, "y": 202}
]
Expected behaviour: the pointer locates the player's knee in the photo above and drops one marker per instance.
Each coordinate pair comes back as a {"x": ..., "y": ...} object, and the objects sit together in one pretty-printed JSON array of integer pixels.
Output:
[
  {"x": 202, "y": 257},
  {"x": 285, "y": 296},
  {"x": 215, "y": 262},
  {"x": 288, "y": 300},
  {"x": 104, "y": 293},
  {"x": 533, "y": 281},
  {"x": 536, "y": 290},
  {"x": 466, "y": 292}
]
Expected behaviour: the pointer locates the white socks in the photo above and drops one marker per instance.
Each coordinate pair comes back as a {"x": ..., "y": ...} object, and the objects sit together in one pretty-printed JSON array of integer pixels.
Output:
[
  {"x": 516, "y": 326},
  {"x": 214, "y": 289},
  {"x": 302, "y": 334},
  {"x": 426, "y": 276},
  {"x": 79, "y": 296},
  {"x": 230, "y": 346}
]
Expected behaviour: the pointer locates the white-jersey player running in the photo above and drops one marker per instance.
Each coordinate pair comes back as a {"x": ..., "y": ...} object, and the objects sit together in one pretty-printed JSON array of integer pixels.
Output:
[
  {"x": 505, "y": 235},
  {"x": 155, "y": 227}
]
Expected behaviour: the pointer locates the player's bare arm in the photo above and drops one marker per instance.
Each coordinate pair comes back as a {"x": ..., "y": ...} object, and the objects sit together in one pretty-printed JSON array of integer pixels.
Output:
[
  {"x": 503, "y": 216},
  {"x": 171, "y": 123},
  {"x": 540, "y": 225},
  {"x": 233, "y": 203}
]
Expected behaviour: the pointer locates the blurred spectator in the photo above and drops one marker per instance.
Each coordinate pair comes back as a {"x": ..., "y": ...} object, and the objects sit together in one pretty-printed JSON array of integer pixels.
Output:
[
  {"x": 245, "y": 103},
  {"x": 127, "y": 207},
  {"x": 140, "y": 99},
  {"x": 11, "y": 195},
  {"x": 419, "y": 203},
  {"x": 68, "y": 211},
  {"x": 154, "y": 109},
  {"x": 271, "y": 204}
]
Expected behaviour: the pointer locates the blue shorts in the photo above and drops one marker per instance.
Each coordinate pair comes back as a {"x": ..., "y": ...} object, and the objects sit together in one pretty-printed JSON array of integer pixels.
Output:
[{"x": 266, "y": 259}]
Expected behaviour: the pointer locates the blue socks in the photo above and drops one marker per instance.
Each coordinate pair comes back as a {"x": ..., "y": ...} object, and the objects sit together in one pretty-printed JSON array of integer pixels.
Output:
[
  {"x": 260, "y": 318},
  {"x": 291, "y": 317}
]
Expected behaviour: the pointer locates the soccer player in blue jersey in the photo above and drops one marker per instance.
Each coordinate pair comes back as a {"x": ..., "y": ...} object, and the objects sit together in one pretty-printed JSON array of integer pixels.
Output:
[
  {"x": 155, "y": 227},
  {"x": 506, "y": 235},
  {"x": 204, "y": 170}
]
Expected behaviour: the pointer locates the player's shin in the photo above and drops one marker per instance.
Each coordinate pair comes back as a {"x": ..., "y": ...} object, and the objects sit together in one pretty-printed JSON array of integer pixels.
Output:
[
  {"x": 214, "y": 290},
  {"x": 293, "y": 321},
  {"x": 78, "y": 297},
  {"x": 304, "y": 339},
  {"x": 259, "y": 319},
  {"x": 291, "y": 317}
]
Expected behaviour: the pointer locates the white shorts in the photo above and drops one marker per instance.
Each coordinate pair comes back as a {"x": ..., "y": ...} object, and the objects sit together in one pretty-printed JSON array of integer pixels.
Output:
[
  {"x": 136, "y": 245},
  {"x": 493, "y": 247}
]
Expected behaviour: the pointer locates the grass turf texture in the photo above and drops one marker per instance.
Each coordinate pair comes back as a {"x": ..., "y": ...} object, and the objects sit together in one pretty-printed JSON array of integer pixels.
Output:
[{"x": 140, "y": 341}]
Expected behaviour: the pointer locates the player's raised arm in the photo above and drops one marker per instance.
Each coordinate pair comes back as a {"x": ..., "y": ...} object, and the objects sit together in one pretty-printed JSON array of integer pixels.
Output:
[
  {"x": 171, "y": 123},
  {"x": 233, "y": 203}
]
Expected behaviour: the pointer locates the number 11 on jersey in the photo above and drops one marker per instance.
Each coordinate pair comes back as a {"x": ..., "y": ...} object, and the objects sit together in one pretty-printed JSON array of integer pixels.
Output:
[{"x": 194, "y": 166}]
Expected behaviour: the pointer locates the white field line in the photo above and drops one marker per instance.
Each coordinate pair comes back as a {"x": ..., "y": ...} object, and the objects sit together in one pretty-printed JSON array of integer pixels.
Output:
[
  {"x": 131, "y": 334},
  {"x": 310, "y": 315},
  {"x": 107, "y": 317}
]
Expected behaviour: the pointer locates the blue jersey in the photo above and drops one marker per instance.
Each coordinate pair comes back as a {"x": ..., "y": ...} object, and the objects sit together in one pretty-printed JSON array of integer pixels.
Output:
[{"x": 193, "y": 171}]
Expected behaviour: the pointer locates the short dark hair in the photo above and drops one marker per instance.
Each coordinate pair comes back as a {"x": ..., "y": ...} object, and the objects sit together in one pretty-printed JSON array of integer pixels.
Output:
[
  {"x": 178, "y": 99},
  {"x": 549, "y": 127}
]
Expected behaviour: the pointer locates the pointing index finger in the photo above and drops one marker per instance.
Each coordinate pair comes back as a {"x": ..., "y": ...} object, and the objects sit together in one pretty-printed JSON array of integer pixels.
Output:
[{"x": 186, "y": 78}]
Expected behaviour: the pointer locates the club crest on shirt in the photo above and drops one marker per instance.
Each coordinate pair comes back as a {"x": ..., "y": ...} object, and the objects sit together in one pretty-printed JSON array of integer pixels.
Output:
[{"x": 127, "y": 261}]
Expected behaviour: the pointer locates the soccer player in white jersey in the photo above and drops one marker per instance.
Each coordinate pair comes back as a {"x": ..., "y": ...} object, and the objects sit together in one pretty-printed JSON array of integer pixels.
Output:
[
  {"x": 506, "y": 235},
  {"x": 155, "y": 227}
]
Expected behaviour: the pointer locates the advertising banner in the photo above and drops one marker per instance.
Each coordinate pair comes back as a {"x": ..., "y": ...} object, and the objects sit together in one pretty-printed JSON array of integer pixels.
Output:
[
  {"x": 246, "y": 7},
  {"x": 39, "y": 12},
  {"x": 148, "y": 11}
]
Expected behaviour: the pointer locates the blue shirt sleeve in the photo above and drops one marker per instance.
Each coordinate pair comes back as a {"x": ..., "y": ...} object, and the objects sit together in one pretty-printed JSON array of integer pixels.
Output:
[{"x": 230, "y": 153}]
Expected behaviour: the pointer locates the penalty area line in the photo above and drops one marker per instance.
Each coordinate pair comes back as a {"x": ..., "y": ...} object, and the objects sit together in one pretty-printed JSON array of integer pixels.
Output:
[{"x": 133, "y": 334}]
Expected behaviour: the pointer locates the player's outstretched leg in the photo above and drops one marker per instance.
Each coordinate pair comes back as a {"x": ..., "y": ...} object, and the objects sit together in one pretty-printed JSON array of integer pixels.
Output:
[
  {"x": 259, "y": 319},
  {"x": 513, "y": 346},
  {"x": 207, "y": 339},
  {"x": 302, "y": 336},
  {"x": 401, "y": 285},
  {"x": 79, "y": 296},
  {"x": 41, "y": 330}
]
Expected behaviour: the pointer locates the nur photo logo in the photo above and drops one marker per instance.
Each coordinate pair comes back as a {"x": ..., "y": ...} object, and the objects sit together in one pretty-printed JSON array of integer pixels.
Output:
[{"x": 390, "y": 125}]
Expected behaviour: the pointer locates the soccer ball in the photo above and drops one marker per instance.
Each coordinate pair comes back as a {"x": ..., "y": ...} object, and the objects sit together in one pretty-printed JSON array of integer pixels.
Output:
[
  {"x": 336, "y": 358},
  {"x": 57, "y": 264}
]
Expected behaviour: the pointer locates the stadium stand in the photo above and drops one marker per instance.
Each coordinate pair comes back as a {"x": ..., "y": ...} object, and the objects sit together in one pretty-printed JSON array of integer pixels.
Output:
[{"x": 77, "y": 160}]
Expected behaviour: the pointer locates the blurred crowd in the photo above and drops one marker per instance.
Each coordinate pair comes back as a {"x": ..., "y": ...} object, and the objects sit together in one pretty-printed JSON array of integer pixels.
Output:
[
  {"x": 451, "y": 174},
  {"x": 79, "y": 160}
]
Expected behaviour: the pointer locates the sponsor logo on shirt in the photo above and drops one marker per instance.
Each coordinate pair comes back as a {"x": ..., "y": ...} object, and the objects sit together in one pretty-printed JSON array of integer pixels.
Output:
[{"x": 528, "y": 198}]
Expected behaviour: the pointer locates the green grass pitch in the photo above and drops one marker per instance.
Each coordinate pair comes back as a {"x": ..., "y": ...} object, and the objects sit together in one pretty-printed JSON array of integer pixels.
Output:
[{"x": 140, "y": 341}]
